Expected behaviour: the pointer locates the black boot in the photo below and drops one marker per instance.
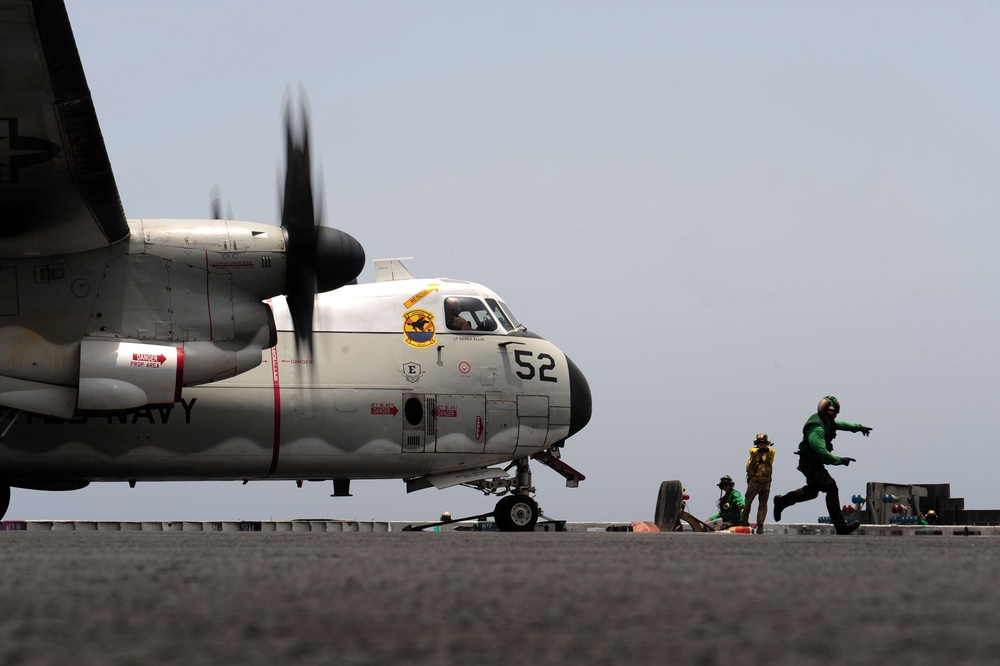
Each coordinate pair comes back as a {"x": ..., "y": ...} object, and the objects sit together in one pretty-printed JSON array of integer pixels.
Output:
[
  {"x": 779, "y": 506},
  {"x": 847, "y": 528}
]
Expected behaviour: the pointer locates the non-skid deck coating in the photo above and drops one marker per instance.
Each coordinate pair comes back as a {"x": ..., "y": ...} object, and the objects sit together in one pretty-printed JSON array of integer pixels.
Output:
[
  {"x": 349, "y": 525},
  {"x": 107, "y": 597}
]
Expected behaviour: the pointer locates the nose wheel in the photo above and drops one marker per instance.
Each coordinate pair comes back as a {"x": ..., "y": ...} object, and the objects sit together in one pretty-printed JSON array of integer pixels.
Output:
[{"x": 516, "y": 513}]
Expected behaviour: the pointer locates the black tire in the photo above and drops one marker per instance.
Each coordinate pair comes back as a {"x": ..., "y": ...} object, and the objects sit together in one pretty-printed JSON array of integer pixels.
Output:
[
  {"x": 516, "y": 513},
  {"x": 668, "y": 505}
]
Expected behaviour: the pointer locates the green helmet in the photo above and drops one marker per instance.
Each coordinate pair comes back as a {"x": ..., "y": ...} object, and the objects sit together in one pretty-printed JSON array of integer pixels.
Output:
[
  {"x": 829, "y": 403},
  {"x": 761, "y": 439}
]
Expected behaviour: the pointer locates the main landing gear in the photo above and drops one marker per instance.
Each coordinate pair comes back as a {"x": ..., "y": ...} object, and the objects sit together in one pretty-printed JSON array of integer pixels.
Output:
[
  {"x": 10, "y": 416},
  {"x": 4, "y": 495}
]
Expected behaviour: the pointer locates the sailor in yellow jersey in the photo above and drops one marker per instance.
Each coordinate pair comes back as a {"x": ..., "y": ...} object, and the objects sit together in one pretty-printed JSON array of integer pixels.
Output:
[{"x": 759, "y": 468}]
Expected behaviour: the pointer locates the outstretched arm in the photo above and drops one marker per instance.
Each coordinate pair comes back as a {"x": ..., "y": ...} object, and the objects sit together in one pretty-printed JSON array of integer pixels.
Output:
[{"x": 853, "y": 427}]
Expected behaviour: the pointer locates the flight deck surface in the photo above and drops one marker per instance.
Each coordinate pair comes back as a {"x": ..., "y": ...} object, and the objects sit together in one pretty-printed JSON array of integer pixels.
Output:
[{"x": 590, "y": 597}]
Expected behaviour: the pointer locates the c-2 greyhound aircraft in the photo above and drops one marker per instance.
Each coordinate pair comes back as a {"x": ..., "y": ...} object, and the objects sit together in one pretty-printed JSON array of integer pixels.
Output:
[{"x": 159, "y": 350}]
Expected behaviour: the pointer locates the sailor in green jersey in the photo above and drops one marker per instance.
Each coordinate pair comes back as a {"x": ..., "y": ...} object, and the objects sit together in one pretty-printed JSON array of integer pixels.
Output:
[
  {"x": 815, "y": 453},
  {"x": 730, "y": 503}
]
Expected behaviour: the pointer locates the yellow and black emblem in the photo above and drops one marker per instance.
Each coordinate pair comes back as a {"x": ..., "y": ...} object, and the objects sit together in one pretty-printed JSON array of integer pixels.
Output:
[{"x": 418, "y": 327}]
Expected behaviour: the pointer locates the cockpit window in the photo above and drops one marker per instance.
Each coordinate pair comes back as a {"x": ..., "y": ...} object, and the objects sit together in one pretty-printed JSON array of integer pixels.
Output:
[
  {"x": 465, "y": 313},
  {"x": 502, "y": 314}
]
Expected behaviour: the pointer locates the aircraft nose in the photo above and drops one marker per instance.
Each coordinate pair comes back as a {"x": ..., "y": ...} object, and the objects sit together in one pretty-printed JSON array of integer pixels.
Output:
[{"x": 579, "y": 399}]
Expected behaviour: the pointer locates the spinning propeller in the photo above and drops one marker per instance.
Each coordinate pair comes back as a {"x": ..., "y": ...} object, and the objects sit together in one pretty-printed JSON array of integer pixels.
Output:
[{"x": 318, "y": 258}]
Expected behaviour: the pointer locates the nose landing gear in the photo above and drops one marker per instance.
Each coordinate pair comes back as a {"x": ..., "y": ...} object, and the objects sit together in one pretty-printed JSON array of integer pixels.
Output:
[{"x": 516, "y": 513}]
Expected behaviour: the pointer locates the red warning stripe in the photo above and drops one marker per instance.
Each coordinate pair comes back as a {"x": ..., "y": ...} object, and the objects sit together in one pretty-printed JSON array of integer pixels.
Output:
[
  {"x": 276, "y": 381},
  {"x": 179, "y": 381},
  {"x": 208, "y": 296}
]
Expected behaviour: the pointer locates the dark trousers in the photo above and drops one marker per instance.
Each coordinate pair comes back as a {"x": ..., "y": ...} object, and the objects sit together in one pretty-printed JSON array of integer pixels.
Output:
[
  {"x": 817, "y": 480},
  {"x": 760, "y": 490}
]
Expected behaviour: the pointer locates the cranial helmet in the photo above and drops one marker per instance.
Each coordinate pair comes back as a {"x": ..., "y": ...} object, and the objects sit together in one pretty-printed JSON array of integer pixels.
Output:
[
  {"x": 761, "y": 438},
  {"x": 725, "y": 480},
  {"x": 828, "y": 403}
]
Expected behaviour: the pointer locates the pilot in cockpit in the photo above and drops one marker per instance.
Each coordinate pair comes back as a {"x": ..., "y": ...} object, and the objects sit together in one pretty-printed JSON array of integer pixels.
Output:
[
  {"x": 468, "y": 313},
  {"x": 453, "y": 317}
]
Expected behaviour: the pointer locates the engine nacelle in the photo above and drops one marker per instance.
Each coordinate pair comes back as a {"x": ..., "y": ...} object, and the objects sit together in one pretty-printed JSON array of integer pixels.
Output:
[{"x": 119, "y": 375}]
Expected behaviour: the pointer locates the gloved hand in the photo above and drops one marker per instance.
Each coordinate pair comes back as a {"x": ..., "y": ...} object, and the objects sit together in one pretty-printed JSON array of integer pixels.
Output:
[
  {"x": 865, "y": 430},
  {"x": 846, "y": 461}
]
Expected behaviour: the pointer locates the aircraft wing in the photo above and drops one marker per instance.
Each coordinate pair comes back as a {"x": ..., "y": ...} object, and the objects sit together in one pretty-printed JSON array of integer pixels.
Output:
[{"x": 57, "y": 192}]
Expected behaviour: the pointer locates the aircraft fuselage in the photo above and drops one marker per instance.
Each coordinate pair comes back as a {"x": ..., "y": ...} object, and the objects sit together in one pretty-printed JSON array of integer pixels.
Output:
[{"x": 389, "y": 391}]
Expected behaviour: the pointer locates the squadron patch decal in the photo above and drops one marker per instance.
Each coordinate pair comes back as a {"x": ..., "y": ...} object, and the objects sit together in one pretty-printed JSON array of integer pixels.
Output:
[{"x": 418, "y": 328}]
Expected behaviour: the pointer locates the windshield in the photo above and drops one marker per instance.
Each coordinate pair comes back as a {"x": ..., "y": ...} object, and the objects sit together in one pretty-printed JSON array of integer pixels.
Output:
[
  {"x": 468, "y": 313},
  {"x": 465, "y": 313},
  {"x": 502, "y": 314}
]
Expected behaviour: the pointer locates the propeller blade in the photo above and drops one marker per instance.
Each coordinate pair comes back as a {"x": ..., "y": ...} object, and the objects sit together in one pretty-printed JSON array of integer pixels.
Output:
[
  {"x": 298, "y": 217},
  {"x": 216, "y": 205},
  {"x": 318, "y": 258}
]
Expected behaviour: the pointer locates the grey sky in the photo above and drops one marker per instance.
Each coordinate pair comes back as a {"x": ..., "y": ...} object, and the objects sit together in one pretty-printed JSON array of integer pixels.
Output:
[{"x": 722, "y": 211}]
